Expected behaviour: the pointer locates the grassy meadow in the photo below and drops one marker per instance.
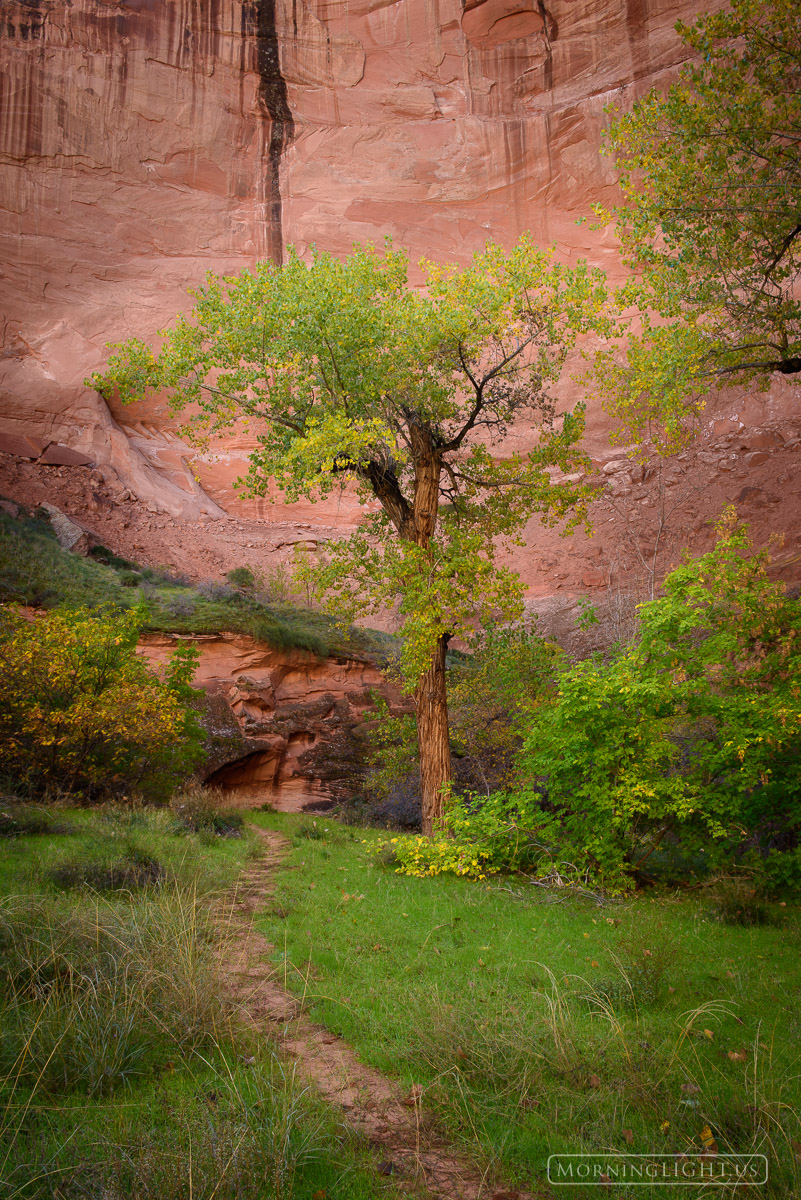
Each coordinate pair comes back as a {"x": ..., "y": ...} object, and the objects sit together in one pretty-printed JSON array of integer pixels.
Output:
[
  {"x": 538, "y": 1023},
  {"x": 123, "y": 1071}
]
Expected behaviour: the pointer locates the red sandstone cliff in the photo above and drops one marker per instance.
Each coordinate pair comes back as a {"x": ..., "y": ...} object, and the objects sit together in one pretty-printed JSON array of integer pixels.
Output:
[
  {"x": 144, "y": 142},
  {"x": 285, "y": 727}
]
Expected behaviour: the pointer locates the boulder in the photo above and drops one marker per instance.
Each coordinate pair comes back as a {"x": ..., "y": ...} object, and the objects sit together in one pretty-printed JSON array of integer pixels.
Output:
[
  {"x": 71, "y": 535},
  {"x": 21, "y": 446},
  {"x": 64, "y": 456}
]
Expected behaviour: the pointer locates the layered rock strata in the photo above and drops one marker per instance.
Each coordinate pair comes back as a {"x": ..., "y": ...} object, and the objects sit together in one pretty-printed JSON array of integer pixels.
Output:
[
  {"x": 285, "y": 728},
  {"x": 144, "y": 142}
]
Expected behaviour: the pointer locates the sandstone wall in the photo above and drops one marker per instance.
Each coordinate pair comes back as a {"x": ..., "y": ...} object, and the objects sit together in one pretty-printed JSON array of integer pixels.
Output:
[
  {"x": 285, "y": 728},
  {"x": 144, "y": 142}
]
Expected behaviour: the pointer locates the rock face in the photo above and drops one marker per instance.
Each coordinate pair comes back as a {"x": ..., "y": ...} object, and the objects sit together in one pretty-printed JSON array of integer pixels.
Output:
[
  {"x": 144, "y": 142},
  {"x": 286, "y": 728}
]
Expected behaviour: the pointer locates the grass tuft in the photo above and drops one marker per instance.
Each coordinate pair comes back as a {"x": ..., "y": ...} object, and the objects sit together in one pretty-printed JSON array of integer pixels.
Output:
[
  {"x": 24, "y": 820},
  {"x": 128, "y": 874},
  {"x": 199, "y": 808},
  {"x": 739, "y": 904}
]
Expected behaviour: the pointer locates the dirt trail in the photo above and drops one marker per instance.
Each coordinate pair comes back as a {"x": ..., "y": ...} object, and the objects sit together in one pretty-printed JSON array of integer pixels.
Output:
[{"x": 373, "y": 1104}]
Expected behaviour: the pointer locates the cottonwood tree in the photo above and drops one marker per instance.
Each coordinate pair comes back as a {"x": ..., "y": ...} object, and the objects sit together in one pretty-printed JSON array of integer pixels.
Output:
[
  {"x": 344, "y": 372},
  {"x": 711, "y": 222}
]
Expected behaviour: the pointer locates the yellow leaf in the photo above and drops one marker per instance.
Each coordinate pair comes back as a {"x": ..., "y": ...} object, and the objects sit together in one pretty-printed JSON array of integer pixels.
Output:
[{"x": 708, "y": 1140}]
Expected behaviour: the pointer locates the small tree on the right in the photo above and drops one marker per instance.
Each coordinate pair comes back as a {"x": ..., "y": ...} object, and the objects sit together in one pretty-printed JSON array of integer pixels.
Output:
[{"x": 710, "y": 223}]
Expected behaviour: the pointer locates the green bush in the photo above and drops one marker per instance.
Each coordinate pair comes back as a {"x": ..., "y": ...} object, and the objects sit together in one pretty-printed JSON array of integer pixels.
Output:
[
  {"x": 484, "y": 835},
  {"x": 243, "y": 578},
  {"x": 693, "y": 734},
  {"x": 80, "y": 710},
  {"x": 495, "y": 694},
  {"x": 688, "y": 741}
]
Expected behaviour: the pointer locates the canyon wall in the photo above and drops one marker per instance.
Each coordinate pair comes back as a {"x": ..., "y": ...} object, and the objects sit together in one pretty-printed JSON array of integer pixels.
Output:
[
  {"x": 285, "y": 728},
  {"x": 146, "y": 142}
]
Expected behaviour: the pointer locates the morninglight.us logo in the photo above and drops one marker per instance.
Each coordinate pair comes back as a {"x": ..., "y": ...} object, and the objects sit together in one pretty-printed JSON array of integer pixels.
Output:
[{"x": 651, "y": 1170}]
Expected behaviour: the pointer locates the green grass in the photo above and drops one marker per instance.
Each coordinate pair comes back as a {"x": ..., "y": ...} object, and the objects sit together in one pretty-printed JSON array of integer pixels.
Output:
[
  {"x": 538, "y": 1023},
  {"x": 123, "y": 1070},
  {"x": 35, "y": 570},
  {"x": 213, "y": 1130}
]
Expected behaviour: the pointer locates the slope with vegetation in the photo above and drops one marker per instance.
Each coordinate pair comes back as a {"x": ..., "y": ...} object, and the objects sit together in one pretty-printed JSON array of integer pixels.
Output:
[{"x": 35, "y": 571}]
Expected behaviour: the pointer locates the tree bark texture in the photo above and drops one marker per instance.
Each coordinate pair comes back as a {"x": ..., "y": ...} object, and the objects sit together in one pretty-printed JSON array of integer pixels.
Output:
[
  {"x": 431, "y": 705},
  {"x": 416, "y": 522}
]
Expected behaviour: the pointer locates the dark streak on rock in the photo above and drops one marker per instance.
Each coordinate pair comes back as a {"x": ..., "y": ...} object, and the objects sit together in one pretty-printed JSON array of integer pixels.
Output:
[
  {"x": 275, "y": 108},
  {"x": 550, "y": 32}
]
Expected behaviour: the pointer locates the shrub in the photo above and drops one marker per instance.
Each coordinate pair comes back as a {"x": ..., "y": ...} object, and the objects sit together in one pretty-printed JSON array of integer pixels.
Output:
[
  {"x": 243, "y": 578},
  {"x": 693, "y": 733},
  {"x": 209, "y": 589},
  {"x": 81, "y": 711},
  {"x": 181, "y": 604},
  {"x": 202, "y": 809},
  {"x": 739, "y": 903},
  {"x": 690, "y": 738},
  {"x": 484, "y": 835},
  {"x": 495, "y": 694}
]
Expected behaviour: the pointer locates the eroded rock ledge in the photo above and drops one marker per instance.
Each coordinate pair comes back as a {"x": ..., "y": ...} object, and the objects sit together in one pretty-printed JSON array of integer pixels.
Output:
[{"x": 285, "y": 727}]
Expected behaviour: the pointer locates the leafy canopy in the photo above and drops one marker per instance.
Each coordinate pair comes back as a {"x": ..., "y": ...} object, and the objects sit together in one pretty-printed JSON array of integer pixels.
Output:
[
  {"x": 81, "y": 711},
  {"x": 342, "y": 371},
  {"x": 694, "y": 731},
  {"x": 711, "y": 222}
]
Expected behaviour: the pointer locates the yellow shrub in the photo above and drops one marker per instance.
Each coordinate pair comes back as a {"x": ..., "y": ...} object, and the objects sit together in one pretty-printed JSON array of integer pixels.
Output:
[{"x": 81, "y": 711}]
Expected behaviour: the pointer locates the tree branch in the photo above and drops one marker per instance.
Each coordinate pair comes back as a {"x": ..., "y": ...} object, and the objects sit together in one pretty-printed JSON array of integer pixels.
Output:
[{"x": 456, "y": 441}]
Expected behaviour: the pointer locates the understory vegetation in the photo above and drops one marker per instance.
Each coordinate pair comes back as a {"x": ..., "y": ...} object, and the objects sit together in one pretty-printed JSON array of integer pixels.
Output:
[
  {"x": 81, "y": 711},
  {"x": 532, "y": 1020},
  {"x": 35, "y": 571},
  {"x": 669, "y": 758},
  {"x": 124, "y": 1069}
]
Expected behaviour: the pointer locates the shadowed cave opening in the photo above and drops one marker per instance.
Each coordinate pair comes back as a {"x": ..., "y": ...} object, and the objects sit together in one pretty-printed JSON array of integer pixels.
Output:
[{"x": 269, "y": 776}]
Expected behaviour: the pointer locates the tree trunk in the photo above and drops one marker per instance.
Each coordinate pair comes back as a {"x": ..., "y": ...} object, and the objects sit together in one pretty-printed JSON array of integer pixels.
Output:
[{"x": 431, "y": 705}]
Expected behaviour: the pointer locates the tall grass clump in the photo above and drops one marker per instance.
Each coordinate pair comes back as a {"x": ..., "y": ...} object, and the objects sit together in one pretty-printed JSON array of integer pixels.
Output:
[{"x": 95, "y": 996}]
